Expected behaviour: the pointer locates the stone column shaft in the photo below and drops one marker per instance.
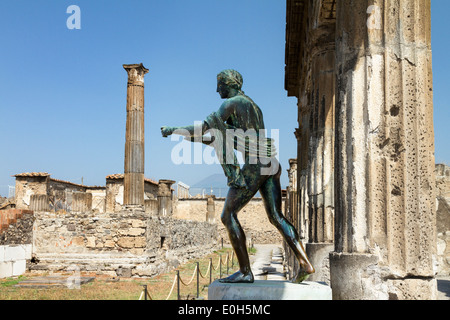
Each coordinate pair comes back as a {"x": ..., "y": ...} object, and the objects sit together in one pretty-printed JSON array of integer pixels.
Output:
[
  {"x": 39, "y": 203},
  {"x": 134, "y": 136},
  {"x": 385, "y": 211}
]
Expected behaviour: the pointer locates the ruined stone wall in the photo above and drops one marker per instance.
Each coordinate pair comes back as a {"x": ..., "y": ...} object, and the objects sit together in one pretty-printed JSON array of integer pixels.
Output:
[
  {"x": 28, "y": 186},
  {"x": 98, "y": 199},
  {"x": 16, "y": 227},
  {"x": 252, "y": 217},
  {"x": 130, "y": 242},
  {"x": 60, "y": 194},
  {"x": 115, "y": 190}
]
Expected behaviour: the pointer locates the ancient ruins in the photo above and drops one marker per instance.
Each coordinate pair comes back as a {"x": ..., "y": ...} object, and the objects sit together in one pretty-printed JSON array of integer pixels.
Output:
[{"x": 132, "y": 226}]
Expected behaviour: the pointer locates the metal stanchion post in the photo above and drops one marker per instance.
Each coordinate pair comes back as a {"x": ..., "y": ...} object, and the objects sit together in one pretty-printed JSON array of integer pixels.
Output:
[
  {"x": 145, "y": 292},
  {"x": 178, "y": 284},
  {"x": 198, "y": 280},
  {"x": 220, "y": 267},
  {"x": 210, "y": 270}
]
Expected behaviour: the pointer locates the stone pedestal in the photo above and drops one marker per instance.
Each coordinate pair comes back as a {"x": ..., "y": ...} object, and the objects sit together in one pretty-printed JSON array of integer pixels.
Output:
[{"x": 269, "y": 290}]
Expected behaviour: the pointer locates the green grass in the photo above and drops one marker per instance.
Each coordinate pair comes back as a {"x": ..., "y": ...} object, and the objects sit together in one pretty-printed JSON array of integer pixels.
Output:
[
  {"x": 127, "y": 288},
  {"x": 9, "y": 282}
]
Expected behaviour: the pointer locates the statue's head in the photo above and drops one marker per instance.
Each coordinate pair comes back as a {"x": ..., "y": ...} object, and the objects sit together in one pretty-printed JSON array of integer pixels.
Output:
[{"x": 229, "y": 83}]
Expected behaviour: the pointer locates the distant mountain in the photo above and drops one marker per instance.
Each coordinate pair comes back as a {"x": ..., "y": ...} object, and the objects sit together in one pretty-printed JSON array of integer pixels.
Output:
[
  {"x": 217, "y": 180},
  {"x": 214, "y": 184}
]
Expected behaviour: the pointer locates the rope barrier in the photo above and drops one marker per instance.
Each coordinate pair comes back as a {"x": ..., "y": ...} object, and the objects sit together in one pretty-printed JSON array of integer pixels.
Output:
[
  {"x": 146, "y": 294},
  {"x": 207, "y": 271},
  {"x": 173, "y": 286},
  {"x": 190, "y": 281}
]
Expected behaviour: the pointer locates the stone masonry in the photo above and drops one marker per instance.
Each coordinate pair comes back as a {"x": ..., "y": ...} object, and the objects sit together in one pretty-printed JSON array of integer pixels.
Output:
[{"x": 127, "y": 242}]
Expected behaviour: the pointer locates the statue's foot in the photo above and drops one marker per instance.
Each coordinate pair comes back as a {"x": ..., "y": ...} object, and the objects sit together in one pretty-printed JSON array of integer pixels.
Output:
[
  {"x": 301, "y": 276},
  {"x": 303, "y": 273},
  {"x": 239, "y": 277}
]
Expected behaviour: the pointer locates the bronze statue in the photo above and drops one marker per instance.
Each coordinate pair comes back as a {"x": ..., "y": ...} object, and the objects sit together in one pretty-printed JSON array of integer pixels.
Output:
[{"x": 260, "y": 172}]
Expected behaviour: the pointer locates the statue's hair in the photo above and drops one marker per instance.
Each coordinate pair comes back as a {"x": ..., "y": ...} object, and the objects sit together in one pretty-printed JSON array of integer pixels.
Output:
[{"x": 232, "y": 78}]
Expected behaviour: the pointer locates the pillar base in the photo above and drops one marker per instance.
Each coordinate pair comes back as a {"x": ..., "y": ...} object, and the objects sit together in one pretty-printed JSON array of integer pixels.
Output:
[
  {"x": 361, "y": 277},
  {"x": 318, "y": 254},
  {"x": 356, "y": 277}
]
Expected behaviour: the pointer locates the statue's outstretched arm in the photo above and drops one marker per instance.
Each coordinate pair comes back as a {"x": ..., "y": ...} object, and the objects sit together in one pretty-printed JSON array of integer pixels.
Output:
[
  {"x": 188, "y": 131},
  {"x": 193, "y": 131}
]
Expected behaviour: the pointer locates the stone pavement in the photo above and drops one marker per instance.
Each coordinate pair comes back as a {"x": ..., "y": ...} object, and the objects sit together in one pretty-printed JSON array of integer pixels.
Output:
[{"x": 267, "y": 264}]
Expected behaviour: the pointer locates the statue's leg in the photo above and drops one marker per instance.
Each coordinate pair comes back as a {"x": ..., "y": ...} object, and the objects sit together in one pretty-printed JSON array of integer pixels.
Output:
[
  {"x": 271, "y": 194},
  {"x": 235, "y": 201}
]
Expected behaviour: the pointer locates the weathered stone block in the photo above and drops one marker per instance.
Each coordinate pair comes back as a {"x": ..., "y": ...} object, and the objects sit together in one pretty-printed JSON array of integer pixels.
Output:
[
  {"x": 90, "y": 242},
  {"x": 109, "y": 244},
  {"x": 18, "y": 267},
  {"x": 6, "y": 269},
  {"x": 140, "y": 242},
  {"x": 126, "y": 242},
  {"x": 13, "y": 253},
  {"x": 132, "y": 232},
  {"x": 78, "y": 241},
  {"x": 137, "y": 223}
]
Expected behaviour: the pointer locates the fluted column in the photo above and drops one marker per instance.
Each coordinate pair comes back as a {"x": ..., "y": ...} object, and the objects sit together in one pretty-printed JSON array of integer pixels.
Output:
[
  {"x": 81, "y": 202},
  {"x": 134, "y": 136},
  {"x": 39, "y": 203},
  {"x": 385, "y": 190}
]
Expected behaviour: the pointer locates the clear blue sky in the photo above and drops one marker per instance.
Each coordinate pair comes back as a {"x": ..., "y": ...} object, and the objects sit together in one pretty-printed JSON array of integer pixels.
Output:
[{"x": 63, "y": 92}]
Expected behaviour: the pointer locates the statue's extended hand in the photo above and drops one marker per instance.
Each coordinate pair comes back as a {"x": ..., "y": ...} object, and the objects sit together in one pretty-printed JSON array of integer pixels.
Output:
[{"x": 166, "y": 131}]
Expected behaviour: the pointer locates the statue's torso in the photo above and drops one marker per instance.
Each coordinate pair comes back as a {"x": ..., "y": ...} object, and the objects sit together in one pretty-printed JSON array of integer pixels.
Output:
[{"x": 246, "y": 114}]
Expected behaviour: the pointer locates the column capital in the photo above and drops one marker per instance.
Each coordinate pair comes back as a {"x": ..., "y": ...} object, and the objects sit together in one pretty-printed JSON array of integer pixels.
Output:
[
  {"x": 164, "y": 187},
  {"x": 136, "y": 73}
]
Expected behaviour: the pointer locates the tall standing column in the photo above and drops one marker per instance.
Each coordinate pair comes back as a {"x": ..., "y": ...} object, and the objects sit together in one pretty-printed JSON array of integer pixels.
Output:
[
  {"x": 385, "y": 233},
  {"x": 134, "y": 136}
]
